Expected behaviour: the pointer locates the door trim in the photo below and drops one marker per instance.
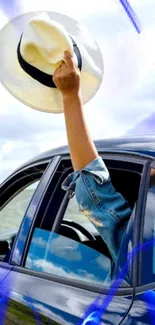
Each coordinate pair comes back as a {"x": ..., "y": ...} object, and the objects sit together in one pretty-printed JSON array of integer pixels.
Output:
[{"x": 96, "y": 288}]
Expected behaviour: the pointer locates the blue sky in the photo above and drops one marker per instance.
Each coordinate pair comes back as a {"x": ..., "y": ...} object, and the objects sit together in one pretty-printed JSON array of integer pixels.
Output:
[{"x": 125, "y": 99}]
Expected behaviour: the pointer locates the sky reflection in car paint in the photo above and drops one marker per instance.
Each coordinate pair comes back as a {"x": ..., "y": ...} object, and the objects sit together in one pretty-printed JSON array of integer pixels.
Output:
[{"x": 113, "y": 289}]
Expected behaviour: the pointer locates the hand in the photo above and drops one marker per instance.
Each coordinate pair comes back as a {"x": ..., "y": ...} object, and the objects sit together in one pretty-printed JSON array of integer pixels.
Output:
[{"x": 67, "y": 76}]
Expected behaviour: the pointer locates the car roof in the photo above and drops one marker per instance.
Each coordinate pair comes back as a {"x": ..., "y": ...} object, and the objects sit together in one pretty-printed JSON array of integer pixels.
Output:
[{"x": 144, "y": 145}]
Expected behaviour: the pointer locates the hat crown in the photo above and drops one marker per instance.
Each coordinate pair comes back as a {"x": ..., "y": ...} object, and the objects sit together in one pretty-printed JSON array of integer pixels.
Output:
[{"x": 43, "y": 43}]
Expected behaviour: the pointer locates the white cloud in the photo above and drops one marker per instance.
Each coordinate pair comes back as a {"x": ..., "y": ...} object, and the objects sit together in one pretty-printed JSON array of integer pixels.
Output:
[
  {"x": 6, "y": 148},
  {"x": 65, "y": 248},
  {"x": 49, "y": 267},
  {"x": 102, "y": 262},
  {"x": 61, "y": 246},
  {"x": 39, "y": 241}
]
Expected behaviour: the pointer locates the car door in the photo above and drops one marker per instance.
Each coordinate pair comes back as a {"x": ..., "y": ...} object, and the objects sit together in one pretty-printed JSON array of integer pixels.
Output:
[
  {"x": 143, "y": 308},
  {"x": 61, "y": 280},
  {"x": 16, "y": 194}
]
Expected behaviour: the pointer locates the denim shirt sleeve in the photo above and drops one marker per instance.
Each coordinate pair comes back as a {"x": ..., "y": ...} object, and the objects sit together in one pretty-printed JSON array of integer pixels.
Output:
[
  {"x": 96, "y": 168},
  {"x": 99, "y": 201}
]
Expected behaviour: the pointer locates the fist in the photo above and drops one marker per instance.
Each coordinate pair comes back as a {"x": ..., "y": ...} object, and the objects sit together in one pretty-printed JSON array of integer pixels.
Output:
[{"x": 67, "y": 76}]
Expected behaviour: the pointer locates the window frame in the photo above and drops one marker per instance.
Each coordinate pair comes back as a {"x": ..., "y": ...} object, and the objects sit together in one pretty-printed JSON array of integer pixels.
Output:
[
  {"x": 12, "y": 185},
  {"x": 126, "y": 157},
  {"x": 17, "y": 182},
  {"x": 145, "y": 238}
]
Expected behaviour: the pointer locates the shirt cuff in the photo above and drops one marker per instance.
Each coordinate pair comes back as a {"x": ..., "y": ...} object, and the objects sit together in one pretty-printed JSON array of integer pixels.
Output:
[{"x": 96, "y": 168}]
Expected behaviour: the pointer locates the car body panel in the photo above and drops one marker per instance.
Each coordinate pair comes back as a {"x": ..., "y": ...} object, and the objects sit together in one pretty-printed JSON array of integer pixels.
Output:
[
  {"x": 143, "y": 309},
  {"x": 62, "y": 303}
]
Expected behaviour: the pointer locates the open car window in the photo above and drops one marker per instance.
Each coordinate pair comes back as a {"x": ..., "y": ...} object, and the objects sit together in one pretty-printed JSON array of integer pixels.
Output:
[{"x": 66, "y": 244}]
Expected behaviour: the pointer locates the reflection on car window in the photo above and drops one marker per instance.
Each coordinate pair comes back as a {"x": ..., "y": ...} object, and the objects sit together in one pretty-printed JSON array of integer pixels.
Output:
[
  {"x": 58, "y": 255},
  {"x": 12, "y": 214},
  {"x": 11, "y": 217}
]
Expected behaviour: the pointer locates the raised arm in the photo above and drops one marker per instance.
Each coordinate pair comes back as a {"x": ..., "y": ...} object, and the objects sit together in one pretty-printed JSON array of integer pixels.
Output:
[{"x": 67, "y": 80}]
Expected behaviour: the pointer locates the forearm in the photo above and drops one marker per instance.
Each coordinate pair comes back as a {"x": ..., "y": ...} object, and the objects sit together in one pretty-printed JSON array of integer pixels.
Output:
[{"x": 82, "y": 148}]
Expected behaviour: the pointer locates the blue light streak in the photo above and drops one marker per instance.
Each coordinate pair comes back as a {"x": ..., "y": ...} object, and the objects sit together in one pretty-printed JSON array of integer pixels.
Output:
[
  {"x": 3, "y": 308},
  {"x": 33, "y": 309},
  {"x": 132, "y": 15},
  {"x": 93, "y": 317}
]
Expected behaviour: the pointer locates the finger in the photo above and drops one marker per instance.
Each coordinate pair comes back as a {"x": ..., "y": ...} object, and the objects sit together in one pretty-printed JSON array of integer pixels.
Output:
[
  {"x": 68, "y": 60},
  {"x": 63, "y": 69}
]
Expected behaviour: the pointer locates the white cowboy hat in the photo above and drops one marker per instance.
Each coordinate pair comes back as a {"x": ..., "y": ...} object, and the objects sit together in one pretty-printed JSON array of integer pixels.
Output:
[{"x": 31, "y": 48}]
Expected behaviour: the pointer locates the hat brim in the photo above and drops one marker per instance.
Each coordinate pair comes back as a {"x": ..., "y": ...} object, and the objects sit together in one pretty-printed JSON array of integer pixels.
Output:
[{"x": 31, "y": 92}]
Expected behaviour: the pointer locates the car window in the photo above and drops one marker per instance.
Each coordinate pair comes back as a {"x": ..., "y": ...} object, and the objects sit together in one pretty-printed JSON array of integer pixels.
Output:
[
  {"x": 11, "y": 216},
  {"x": 15, "y": 196},
  {"x": 75, "y": 249},
  {"x": 52, "y": 253},
  {"x": 13, "y": 212}
]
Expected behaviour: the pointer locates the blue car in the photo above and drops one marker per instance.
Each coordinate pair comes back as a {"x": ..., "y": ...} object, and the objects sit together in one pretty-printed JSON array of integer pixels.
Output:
[{"x": 54, "y": 264}]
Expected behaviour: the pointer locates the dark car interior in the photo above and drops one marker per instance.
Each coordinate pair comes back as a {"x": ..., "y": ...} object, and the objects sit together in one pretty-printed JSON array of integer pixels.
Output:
[
  {"x": 6, "y": 246},
  {"x": 127, "y": 183}
]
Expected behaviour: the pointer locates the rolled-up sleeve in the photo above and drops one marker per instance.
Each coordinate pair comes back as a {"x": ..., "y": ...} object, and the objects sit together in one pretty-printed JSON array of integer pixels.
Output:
[
  {"x": 98, "y": 199},
  {"x": 96, "y": 168}
]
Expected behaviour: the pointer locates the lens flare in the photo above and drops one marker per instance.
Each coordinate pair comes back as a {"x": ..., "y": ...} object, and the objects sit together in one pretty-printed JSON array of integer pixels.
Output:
[{"x": 93, "y": 319}]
